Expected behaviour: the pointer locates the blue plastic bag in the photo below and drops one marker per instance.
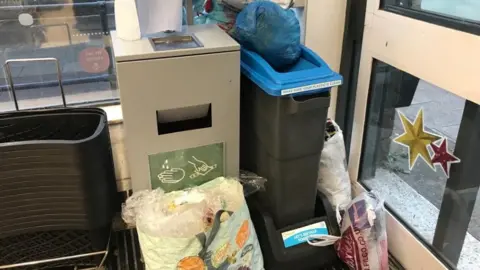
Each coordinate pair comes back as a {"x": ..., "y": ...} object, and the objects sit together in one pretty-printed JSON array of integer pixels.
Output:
[{"x": 271, "y": 31}]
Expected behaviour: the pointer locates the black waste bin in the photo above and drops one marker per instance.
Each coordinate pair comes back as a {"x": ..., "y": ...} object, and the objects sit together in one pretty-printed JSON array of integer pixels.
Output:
[
  {"x": 283, "y": 118},
  {"x": 281, "y": 140}
]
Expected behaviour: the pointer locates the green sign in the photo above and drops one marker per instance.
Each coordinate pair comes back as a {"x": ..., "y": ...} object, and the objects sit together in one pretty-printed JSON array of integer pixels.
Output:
[{"x": 185, "y": 168}]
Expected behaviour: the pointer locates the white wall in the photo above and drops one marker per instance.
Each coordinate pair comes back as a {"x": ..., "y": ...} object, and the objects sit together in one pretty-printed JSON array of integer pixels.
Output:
[{"x": 325, "y": 24}]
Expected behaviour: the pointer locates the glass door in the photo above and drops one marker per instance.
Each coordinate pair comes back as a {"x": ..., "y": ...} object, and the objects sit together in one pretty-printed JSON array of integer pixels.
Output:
[{"x": 412, "y": 121}]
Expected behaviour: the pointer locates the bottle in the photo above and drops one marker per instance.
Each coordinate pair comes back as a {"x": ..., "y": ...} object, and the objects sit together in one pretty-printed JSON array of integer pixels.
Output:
[{"x": 126, "y": 20}]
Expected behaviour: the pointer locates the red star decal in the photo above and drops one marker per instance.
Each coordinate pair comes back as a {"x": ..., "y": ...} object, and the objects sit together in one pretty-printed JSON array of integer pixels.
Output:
[{"x": 443, "y": 157}]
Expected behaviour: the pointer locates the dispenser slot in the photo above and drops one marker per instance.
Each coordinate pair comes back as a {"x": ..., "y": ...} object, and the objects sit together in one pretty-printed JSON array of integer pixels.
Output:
[
  {"x": 175, "y": 42},
  {"x": 183, "y": 119}
]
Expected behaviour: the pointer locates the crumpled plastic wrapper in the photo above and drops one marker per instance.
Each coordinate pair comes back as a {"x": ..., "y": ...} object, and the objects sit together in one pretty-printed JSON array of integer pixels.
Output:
[
  {"x": 333, "y": 177},
  {"x": 185, "y": 213},
  {"x": 252, "y": 183}
]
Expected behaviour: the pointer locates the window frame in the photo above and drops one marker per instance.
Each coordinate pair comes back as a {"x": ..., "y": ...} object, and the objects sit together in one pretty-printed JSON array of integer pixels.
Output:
[
  {"x": 455, "y": 23},
  {"x": 388, "y": 36}
]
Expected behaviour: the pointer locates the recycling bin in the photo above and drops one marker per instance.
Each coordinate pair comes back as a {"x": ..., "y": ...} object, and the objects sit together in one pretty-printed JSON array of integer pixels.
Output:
[
  {"x": 180, "y": 95},
  {"x": 283, "y": 116}
]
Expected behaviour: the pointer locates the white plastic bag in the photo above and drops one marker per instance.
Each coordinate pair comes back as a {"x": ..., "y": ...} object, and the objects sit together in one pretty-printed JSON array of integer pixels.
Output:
[
  {"x": 363, "y": 244},
  {"x": 333, "y": 178}
]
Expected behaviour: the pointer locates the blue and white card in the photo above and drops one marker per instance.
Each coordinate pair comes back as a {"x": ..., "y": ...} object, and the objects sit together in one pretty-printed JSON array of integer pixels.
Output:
[{"x": 301, "y": 235}]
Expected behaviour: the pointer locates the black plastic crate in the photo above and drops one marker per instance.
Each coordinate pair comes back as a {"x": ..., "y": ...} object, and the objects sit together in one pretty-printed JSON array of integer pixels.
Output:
[{"x": 56, "y": 175}]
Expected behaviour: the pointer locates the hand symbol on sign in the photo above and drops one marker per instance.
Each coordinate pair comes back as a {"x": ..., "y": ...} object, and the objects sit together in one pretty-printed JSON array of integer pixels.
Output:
[
  {"x": 171, "y": 176},
  {"x": 201, "y": 168}
]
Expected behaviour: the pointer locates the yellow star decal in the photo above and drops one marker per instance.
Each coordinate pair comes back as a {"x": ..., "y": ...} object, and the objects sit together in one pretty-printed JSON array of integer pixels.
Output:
[{"x": 416, "y": 139}]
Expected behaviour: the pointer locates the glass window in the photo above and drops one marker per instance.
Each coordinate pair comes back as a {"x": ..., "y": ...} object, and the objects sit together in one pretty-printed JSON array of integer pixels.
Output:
[
  {"x": 462, "y": 15},
  {"x": 421, "y": 150},
  {"x": 76, "y": 32},
  {"x": 458, "y": 9}
]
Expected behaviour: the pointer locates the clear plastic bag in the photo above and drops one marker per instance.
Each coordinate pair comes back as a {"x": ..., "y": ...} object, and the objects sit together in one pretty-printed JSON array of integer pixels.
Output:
[
  {"x": 271, "y": 31},
  {"x": 135, "y": 202},
  {"x": 363, "y": 244},
  {"x": 333, "y": 178},
  {"x": 153, "y": 210},
  {"x": 251, "y": 183}
]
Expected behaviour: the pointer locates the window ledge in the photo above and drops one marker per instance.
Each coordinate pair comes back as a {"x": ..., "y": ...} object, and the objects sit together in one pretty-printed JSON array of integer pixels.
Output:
[
  {"x": 117, "y": 138},
  {"x": 114, "y": 114}
]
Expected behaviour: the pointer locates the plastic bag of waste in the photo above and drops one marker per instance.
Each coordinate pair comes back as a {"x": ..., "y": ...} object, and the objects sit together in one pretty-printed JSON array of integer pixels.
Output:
[
  {"x": 271, "y": 31},
  {"x": 363, "y": 244},
  {"x": 205, "y": 227},
  {"x": 333, "y": 178}
]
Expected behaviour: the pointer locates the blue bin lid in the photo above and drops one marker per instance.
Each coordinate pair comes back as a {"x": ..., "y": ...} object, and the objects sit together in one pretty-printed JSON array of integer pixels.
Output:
[{"x": 309, "y": 75}]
